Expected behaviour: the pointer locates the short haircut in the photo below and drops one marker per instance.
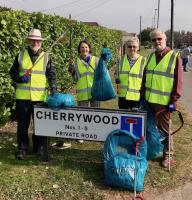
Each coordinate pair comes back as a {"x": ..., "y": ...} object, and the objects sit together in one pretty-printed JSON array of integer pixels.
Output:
[
  {"x": 153, "y": 32},
  {"x": 132, "y": 39},
  {"x": 86, "y": 42}
]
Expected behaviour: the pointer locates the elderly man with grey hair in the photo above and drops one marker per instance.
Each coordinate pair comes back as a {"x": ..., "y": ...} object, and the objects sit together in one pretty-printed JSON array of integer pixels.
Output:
[
  {"x": 31, "y": 88},
  {"x": 162, "y": 85}
]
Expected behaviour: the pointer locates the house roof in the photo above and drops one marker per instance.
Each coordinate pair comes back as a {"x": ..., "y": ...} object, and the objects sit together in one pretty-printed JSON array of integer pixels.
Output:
[
  {"x": 91, "y": 23},
  {"x": 128, "y": 34}
]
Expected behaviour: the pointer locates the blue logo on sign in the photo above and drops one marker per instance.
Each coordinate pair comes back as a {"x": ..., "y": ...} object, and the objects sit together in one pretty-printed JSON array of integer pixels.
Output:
[{"x": 132, "y": 124}]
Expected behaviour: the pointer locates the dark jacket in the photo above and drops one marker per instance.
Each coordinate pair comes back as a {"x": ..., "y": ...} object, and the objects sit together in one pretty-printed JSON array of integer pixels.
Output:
[{"x": 50, "y": 70}]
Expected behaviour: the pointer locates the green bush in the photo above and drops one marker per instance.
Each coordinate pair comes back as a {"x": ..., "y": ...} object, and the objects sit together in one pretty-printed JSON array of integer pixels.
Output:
[
  {"x": 6, "y": 94},
  {"x": 14, "y": 27}
]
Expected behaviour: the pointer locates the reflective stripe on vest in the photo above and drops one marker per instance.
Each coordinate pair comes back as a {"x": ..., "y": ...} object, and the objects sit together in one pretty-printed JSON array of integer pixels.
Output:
[
  {"x": 85, "y": 74},
  {"x": 35, "y": 89},
  {"x": 160, "y": 78},
  {"x": 131, "y": 78}
]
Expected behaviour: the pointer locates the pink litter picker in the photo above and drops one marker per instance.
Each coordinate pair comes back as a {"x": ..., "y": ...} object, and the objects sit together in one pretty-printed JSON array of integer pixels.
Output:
[
  {"x": 170, "y": 132},
  {"x": 137, "y": 195}
]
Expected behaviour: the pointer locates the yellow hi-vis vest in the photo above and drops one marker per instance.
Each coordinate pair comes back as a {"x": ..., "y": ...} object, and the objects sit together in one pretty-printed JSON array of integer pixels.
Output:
[
  {"x": 160, "y": 78},
  {"x": 85, "y": 75},
  {"x": 35, "y": 89},
  {"x": 131, "y": 78}
]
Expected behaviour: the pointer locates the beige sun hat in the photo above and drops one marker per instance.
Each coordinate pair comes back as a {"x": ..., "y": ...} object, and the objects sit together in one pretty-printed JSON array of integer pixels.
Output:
[{"x": 35, "y": 34}]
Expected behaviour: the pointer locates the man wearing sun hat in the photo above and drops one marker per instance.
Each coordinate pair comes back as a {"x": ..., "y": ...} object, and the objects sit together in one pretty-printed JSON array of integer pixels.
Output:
[{"x": 31, "y": 88}]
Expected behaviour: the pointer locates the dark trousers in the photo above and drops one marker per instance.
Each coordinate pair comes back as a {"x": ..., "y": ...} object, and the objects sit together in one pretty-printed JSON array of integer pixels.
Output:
[
  {"x": 127, "y": 104},
  {"x": 24, "y": 112}
]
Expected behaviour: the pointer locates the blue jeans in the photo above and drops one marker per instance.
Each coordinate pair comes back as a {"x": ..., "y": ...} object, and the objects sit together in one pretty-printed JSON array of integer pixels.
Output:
[{"x": 185, "y": 62}]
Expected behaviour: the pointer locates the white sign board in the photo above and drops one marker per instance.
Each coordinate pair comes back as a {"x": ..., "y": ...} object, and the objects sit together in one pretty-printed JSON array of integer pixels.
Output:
[{"x": 86, "y": 123}]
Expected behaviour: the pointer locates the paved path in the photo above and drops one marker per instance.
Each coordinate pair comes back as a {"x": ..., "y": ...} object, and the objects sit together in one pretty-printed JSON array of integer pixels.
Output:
[
  {"x": 182, "y": 193},
  {"x": 187, "y": 89}
]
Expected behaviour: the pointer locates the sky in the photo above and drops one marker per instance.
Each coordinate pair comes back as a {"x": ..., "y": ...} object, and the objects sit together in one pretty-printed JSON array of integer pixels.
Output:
[{"x": 115, "y": 14}]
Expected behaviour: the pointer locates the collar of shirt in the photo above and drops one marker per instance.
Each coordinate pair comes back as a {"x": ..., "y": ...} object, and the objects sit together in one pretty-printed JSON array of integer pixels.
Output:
[
  {"x": 131, "y": 61},
  {"x": 161, "y": 54},
  {"x": 33, "y": 55},
  {"x": 87, "y": 59}
]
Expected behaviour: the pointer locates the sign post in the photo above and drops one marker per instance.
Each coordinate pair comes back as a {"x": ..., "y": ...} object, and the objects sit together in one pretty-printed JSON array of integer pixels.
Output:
[{"x": 81, "y": 123}]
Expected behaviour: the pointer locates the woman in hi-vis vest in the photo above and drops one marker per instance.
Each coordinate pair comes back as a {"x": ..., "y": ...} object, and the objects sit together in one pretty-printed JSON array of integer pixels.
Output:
[
  {"x": 83, "y": 73},
  {"x": 129, "y": 75}
]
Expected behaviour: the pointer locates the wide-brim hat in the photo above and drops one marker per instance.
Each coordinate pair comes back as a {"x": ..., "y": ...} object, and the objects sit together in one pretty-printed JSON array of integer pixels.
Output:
[{"x": 35, "y": 34}]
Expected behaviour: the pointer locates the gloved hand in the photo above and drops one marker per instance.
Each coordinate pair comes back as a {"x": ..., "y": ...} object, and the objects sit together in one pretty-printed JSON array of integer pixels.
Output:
[
  {"x": 117, "y": 81},
  {"x": 171, "y": 107},
  {"x": 25, "y": 78}
]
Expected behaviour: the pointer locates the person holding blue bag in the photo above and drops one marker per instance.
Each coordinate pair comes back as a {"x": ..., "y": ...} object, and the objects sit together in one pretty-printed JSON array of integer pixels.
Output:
[
  {"x": 83, "y": 73},
  {"x": 129, "y": 74},
  {"x": 31, "y": 89}
]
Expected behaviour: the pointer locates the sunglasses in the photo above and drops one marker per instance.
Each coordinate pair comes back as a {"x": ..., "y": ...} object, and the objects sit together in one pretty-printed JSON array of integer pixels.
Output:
[
  {"x": 156, "y": 39},
  {"x": 132, "y": 47}
]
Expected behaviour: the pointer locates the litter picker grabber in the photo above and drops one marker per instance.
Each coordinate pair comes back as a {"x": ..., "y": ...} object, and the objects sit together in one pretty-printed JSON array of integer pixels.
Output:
[
  {"x": 170, "y": 126},
  {"x": 136, "y": 196},
  {"x": 170, "y": 133},
  {"x": 117, "y": 70},
  {"x": 59, "y": 39}
]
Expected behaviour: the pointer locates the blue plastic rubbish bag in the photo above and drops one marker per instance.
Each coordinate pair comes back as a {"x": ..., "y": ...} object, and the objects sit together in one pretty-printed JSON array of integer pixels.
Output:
[
  {"x": 60, "y": 100},
  {"x": 102, "y": 88},
  {"x": 153, "y": 136},
  {"x": 120, "y": 160}
]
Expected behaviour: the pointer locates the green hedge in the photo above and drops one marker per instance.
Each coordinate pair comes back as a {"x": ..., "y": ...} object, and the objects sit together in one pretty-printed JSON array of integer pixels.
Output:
[{"x": 14, "y": 27}]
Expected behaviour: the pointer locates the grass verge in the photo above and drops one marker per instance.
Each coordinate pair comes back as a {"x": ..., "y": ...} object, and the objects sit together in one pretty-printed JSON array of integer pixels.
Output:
[{"x": 77, "y": 173}]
